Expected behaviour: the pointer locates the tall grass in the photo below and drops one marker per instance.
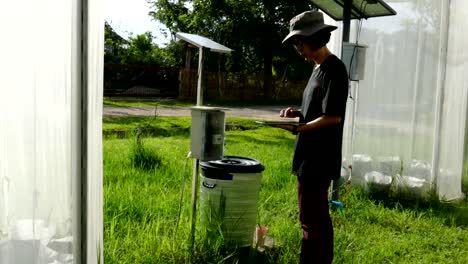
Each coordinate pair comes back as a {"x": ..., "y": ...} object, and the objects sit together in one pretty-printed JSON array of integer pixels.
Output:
[{"x": 141, "y": 207}]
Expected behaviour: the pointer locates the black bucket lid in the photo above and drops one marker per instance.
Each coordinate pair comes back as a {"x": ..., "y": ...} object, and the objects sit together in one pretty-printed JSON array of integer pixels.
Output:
[{"x": 233, "y": 164}]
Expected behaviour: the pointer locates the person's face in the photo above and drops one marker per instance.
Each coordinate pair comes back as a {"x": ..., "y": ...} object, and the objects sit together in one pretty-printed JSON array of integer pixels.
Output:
[{"x": 305, "y": 50}]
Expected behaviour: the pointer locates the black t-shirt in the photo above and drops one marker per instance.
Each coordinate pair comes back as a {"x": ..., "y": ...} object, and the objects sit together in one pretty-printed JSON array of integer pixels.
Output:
[{"x": 318, "y": 153}]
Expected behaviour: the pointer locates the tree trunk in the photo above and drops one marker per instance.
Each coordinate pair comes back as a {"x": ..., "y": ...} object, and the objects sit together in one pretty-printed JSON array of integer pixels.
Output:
[
  {"x": 267, "y": 65},
  {"x": 268, "y": 77},
  {"x": 219, "y": 76}
]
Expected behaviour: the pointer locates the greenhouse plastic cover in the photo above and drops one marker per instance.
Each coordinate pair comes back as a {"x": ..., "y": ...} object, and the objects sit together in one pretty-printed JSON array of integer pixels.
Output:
[
  {"x": 407, "y": 118},
  {"x": 40, "y": 132}
]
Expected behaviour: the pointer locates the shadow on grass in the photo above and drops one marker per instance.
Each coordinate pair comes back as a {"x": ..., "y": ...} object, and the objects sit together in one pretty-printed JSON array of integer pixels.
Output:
[
  {"x": 453, "y": 213},
  {"x": 254, "y": 140},
  {"x": 246, "y": 255},
  {"x": 171, "y": 129}
]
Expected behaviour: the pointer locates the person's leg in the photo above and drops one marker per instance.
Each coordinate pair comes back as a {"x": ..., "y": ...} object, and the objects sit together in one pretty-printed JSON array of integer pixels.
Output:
[{"x": 317, "y": 228}]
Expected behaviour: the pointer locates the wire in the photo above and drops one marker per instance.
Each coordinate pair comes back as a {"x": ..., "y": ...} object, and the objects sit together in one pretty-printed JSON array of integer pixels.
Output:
[
  {"x": 182, "y": 194},
  {"x": 358, "y": 34},
  {"x": 362, "y": 10}
]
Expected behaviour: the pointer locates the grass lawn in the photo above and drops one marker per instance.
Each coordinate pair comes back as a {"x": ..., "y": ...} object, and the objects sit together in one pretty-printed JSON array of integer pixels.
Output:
[{"x": 142, "y": 192}]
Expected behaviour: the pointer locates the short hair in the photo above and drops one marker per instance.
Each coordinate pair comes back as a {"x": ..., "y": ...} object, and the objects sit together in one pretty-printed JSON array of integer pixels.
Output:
[{"x": 317, "y": 40}]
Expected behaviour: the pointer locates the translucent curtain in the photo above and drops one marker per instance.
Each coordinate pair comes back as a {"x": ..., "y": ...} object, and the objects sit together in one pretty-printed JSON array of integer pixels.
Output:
[
  {"x": 334, "y": 45},
  {"x": 36, "y": 135},
  {"x": 94, "y": 92},
  {"x": 399, "y": 130},
  {"x": 40, "y": 132},
  {"x": 454, "y": 107}
]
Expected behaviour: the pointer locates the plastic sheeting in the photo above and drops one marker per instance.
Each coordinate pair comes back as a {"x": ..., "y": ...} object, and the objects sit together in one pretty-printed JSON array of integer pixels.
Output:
[
  {"x": 93, "y": 242},
  {"x": 412, "y": 104},
  {"x": 40, "y": 132}
]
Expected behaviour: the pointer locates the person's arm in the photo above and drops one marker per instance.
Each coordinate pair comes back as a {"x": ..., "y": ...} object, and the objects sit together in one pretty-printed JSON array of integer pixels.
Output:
[{"x": 318, "y": 123}]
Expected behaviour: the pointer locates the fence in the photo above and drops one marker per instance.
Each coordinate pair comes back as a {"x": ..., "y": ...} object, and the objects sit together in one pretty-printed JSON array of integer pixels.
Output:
[
  {"x": 140, "y": 81},
  {"x": 150, "y": 81},
  {"x": 237, "y": 86}
]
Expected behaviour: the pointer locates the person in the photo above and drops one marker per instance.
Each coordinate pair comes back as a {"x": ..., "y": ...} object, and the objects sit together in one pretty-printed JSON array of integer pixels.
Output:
[{"x": 317, "y": 152}]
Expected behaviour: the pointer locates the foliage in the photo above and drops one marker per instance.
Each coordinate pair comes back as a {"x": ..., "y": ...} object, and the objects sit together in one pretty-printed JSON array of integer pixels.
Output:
[
  {"x": 253, "y": 29},
  {"x": 139, "y": 49},
  {"x": 114, "y": 45}
]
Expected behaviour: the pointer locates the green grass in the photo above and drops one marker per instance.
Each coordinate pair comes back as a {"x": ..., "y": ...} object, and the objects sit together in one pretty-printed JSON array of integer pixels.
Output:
[{"x": 141, "y": 205}]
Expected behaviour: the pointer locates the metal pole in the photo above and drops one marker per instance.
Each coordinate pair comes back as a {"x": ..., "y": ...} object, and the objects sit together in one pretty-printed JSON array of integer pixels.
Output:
[
  {"x": 196, "y": 161},
  {"x": 346, "y": 32},
  {"x": 200, "y": 77},
  {"x": 194, "y": 201},
  {"x": 347, "y": 19},
  {"x": 441, "y": 77}
]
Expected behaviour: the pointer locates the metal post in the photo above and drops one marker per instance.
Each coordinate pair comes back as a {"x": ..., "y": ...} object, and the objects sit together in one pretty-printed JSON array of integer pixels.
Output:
[
  {"x": 346, "y": 32},
  {"x": 194, "y": 201},
  {"x": 200, "y": 77},
  {"x": 196, "y": 161},
  {"x": 347, "y": 19},
  {"x": 441, "y": 76}
]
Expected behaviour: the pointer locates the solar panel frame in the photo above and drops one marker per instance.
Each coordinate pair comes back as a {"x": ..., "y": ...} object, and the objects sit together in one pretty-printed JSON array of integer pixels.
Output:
[
  {"x": 360, "y": 8},
  {"x": 200, "y": 41}
]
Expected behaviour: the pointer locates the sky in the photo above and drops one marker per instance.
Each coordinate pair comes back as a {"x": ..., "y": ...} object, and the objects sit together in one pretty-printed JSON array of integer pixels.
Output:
[{"x": 131, "y": 16}]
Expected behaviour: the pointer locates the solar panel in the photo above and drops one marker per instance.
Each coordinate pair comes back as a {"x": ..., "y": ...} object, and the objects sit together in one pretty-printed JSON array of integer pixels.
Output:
[
  {"x": 360, "y": 8},
  {"x": 200, "y": 41}
]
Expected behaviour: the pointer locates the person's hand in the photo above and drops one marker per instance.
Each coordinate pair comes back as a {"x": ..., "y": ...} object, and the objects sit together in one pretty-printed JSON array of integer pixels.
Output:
[{"x": 289, "y": 112}]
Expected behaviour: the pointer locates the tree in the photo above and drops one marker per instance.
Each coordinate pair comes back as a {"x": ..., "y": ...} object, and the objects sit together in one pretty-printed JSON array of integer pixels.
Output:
[
  {"x": 114, "y": 45},
  {"x": 254, "y": 29},
  {"x": 139, "y": 50}
]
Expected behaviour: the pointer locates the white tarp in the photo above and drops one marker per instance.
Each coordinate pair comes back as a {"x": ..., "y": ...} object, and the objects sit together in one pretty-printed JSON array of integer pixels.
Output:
[
  {"x": 412, "y": 103},
  {"x": 40, "y": 131}
]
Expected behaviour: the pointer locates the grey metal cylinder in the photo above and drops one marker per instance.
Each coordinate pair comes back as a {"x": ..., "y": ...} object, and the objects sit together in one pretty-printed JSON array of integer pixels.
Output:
[{"x": 207, "y": 133}]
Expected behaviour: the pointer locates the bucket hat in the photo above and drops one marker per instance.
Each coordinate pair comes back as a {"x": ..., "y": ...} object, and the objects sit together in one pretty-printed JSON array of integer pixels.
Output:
[{"x": 307, "y": 24}]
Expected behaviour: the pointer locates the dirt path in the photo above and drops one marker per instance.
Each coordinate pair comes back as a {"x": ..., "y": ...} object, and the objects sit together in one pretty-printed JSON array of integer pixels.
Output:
[{"x": 256, "y": 112}]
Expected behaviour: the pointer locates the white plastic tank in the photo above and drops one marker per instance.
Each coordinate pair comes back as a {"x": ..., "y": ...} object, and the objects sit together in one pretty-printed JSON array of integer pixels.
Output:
[
  {"x": 362, "y": 164},
  {"x": 228, "y": 199}
]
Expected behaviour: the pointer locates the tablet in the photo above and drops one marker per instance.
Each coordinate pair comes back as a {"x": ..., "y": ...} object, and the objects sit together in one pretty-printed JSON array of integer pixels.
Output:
[{"x": 276, "y": 123}]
